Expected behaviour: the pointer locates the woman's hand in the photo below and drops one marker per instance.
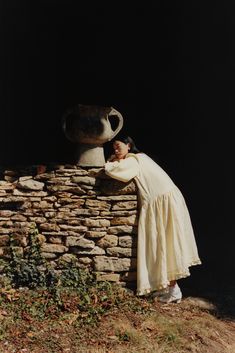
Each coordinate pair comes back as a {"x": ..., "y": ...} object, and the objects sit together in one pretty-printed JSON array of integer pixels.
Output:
[{"x": 113, "y": 158}]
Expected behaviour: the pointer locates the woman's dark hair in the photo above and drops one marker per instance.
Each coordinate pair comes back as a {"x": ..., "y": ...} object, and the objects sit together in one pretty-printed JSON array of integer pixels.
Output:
[{"x": 126, "y": 140}]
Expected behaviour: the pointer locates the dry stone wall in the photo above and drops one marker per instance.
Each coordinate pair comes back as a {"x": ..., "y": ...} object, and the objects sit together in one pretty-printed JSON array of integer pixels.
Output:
[{"x": 81, "y": 215}]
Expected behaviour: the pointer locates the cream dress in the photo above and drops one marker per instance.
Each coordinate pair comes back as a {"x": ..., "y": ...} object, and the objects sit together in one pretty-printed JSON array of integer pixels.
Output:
[{"x": 166, "y": 244}]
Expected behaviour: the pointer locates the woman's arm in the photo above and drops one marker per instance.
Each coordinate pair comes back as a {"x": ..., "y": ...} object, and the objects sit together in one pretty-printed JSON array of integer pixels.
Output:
[
  {"x": 123, "y": 169},
  {"x": 112, "y": 158}
]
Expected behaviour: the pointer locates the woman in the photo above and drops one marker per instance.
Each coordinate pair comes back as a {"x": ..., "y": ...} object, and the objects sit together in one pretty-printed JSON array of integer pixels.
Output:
[{"x": 166, "y": 244}]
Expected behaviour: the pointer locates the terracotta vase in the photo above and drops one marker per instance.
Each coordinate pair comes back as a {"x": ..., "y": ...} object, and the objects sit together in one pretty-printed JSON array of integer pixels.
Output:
[{"x": 89, "y": 126}]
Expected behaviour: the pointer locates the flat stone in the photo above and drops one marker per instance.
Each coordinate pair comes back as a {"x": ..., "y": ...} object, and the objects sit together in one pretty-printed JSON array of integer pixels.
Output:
[
  {"x": 38, "y": 219},
  {"x": 30, "y": 184},
  {"x": 110, "y": 264},
  {"x": 124, "y": 205},
  {"x": 85, "y": 260},
  {"x": 6, "y": 230},
  {"x": 73, "y": 228},
  {"x": 67, "y": 188},
  {"x": 81, "y": 242},
  {"x": 12, "y": 199},
  {"x": 96, "y": 222},
  {"x": 108, "y": 240},
  {"x": 95, "y": 251},
  {"x": 97, "y": 204},
  {"x": 6, "y": 213},
  {"x": 111, "y": 277},
  {"x": 45, "y": 176},
  {"x": 4, "y": 185},
  {"x": 121, "y": 252},
  {"x": 85, "y": 212},
  {"x": 68, "y": 258},
  {"x": 71, "y": 172},
  {"x": 115, "y": 187},
  {"x": 54, "y": 248},
  {"x": 127, "y": 241},
  {"x": 42, "y": 204},
  {"x": 49, "y": 255},
  {"x": 50, "y": 198},
  {"x": 19, "y": 217},
  {"x": 118, "y": 198},
  {"x": 122, "y": 229},
  {"x": 49, "y": 227},
  {"x": 58, "y": 180},
  {"x": 84, "y": 180},
  {"x": 74, "y": 204},
  {"x": 26, "y": 177},
  {"x": 55, "y": 240},
  {"x": 6, "y": 223},
  {"x": 95, "y": 234},
  {"x": 17, "y": 192},
  {"x": 131, "y": 220}
]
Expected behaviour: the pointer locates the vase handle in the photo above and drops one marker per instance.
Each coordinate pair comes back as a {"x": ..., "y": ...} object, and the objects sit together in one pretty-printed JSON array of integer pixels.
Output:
[
  {"x": 64, "y": 123},
  {"x": 118, "y": 115}
]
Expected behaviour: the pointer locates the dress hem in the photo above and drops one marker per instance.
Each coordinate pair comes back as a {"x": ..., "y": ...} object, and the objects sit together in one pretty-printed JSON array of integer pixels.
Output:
[{"x": 172, "y": 277}]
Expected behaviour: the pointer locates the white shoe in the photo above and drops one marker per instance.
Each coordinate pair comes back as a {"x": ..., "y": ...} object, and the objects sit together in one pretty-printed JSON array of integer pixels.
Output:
[{"x": 174, "y": 295}]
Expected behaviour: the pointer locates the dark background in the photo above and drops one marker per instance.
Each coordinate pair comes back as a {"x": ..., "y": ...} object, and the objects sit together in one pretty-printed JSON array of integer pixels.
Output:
[{"x": 167, "y": 67}]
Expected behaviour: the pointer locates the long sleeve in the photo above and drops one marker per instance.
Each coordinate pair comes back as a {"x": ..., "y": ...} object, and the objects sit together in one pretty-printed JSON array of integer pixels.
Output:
[{"x": 123, "y": 170}]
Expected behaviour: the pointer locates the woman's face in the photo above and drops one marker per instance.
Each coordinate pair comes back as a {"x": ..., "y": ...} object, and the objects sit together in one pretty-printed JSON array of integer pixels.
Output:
[{"x": 120, "y": 149}]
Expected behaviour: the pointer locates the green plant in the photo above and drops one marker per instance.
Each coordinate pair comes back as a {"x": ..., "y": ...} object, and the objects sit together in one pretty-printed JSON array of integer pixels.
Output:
[
  {"x": 28, "y": 270},
  {"x": 72, "y": 276}
]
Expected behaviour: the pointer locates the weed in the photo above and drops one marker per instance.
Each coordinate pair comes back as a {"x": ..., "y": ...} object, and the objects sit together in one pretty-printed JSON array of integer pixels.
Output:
[
  {"x": 123, "y": 336},
  {"x": 29, "y": 270}
]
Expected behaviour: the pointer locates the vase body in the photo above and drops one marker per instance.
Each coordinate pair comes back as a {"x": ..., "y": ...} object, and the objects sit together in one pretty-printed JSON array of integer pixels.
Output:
[{"x": 89, "y": 126}]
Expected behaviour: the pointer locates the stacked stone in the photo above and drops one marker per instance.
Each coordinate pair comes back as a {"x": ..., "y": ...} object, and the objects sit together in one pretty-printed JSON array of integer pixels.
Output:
[{"x": 82, "y": 216}]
